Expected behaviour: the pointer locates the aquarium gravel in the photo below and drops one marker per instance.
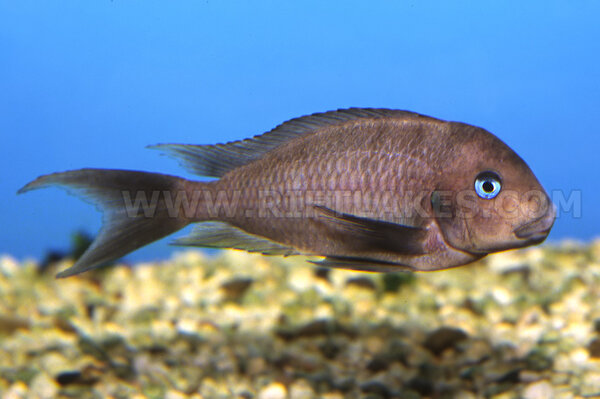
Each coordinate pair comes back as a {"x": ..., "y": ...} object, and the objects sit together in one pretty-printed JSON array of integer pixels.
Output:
[{"x": 519, "y": 324}]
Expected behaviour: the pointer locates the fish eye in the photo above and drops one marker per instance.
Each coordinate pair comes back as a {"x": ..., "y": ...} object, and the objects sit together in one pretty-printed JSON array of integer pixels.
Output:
[{"x": 487, "y": 185}]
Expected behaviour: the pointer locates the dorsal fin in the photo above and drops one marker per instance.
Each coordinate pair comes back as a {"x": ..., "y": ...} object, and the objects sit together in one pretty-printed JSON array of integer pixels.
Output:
[{"x": 216, "y": 160}]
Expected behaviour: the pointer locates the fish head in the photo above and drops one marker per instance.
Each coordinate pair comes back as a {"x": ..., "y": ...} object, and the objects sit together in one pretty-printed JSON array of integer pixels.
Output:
[{"x": 488, "y": 199}]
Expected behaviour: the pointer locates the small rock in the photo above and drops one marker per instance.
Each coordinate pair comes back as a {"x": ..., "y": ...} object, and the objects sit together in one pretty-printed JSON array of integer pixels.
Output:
[
  {"x": 54, "y": 363},
  {"x": 315, "y": 328},
  {"x": 393, "y": 281},
  {"x": 68, "y": 377},
  {"x": 88, "y": 376},
  {"x": 10, "y": 324},
  {"x": 330, "y": 348},
  {"x": 502, "y": 296},
  {"x": 597, "y": 326},
  {"x": 504, "y": 262},
  {"x": 594, "y": 348},
  {"x": 579, "y": 356},
  {"x": 537, "y": 360},
  {"x": 256, "y": 365},
  {"x": 512, "y": 376},
  {"x": 301, "y": 279},
  {"x": 8, "y": 265},
  {"x": 443, "y": 338},
  {"x": 64, "y": 324},
  {"x": 379, "y": 362},
  {"x": 422, "y": 385},
  {"x": 464, "y": 395},
  {"x": 528, "y": 376},
  {"x": 173, "y": 394},
  {"x": 474, "y": 306},
  {"x": 42, "y": 386},
  {"x": 595, "y": 249},
  {"x": 407, "y": 393},
  {"x": 523, "y": 270},
  {"x": 398, "y": 351},
  {"x": 361, "y": 282},
  {"x": 302, "y": 361},
  {"x": 17, "y": 390},
  {"x": 590, "y": 384},
  {"x": 274, "y": 390},
  {"x": 235, "y": 289},
  {"x": 498, "y": 391},
  {"x": 321, "y": 380},
  {"x": 301, "y": 389},
  {"x": 538, "y": 390},
  {"x": 345, "y": 384},
  {"x": 322, "y": 273},
  {"x": 377, "y": 388}
]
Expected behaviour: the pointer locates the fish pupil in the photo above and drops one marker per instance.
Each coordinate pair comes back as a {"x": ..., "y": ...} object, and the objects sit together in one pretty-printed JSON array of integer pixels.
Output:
[{"x": 488, "y": 186}]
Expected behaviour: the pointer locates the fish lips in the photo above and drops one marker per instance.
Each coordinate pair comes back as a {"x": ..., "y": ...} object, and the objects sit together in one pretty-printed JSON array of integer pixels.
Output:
[
  {"x": 536, "y": 231},
  {"x": 529, "y": 233}
]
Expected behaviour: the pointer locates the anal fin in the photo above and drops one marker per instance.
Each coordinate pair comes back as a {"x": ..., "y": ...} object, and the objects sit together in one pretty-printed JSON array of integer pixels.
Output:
[
  {"x": 224, "y": 235},
  {"x": 361, "y": 264}
]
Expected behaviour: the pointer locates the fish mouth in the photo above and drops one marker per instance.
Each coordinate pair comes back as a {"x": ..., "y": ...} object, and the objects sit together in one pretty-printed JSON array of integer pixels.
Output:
[{"x": 537, "y": 230}]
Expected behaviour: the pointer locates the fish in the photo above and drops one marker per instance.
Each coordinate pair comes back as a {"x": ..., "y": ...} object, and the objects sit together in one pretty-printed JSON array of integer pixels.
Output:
[{"x": 366, "y": 189}]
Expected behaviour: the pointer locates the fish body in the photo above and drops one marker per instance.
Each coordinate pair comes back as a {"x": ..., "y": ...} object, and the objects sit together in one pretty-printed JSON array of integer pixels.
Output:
[{"x": 369, "y": 189}]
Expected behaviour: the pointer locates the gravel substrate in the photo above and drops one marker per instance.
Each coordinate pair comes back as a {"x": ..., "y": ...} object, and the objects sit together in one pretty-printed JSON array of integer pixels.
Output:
[{"x": 520, "y": 324}]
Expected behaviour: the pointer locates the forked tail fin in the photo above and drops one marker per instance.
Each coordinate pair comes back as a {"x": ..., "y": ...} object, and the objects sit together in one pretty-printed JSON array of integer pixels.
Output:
[{"x": 136, "y": 209}]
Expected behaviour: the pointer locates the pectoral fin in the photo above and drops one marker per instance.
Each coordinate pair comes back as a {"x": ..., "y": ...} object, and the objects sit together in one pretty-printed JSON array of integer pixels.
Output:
[{"x": 379, "y": 235}]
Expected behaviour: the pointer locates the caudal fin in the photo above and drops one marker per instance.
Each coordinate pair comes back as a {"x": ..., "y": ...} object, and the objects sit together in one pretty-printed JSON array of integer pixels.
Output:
[{"x": 134, "y": 206}]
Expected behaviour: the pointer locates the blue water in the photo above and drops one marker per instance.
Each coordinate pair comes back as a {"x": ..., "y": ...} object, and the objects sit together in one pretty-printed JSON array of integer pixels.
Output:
[{"x": 90, "y": 84}]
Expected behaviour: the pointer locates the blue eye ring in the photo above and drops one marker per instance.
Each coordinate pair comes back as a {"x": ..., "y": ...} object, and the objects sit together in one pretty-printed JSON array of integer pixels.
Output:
[{"x": 488, "y": 185}]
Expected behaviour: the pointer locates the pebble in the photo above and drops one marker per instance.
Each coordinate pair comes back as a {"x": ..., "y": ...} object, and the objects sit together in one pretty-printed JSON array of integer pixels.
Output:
[
  {"x": 377, "y": 388},
  {"x": 579, "y": 357},
  {"x": 274, "y": 390},
  {"x": 9, "y": 324},
  {"x": 301, "y": 279},
  {"x": 43, "y": 386},
  {"x": 362, "y": 282},
  {"x": 173, "y": 394},
  {"x": 464, "y": 395},
  {"x": 18, "y": 390},
  {"x": 594, "y": 348},
  {"x": 538, "y": 390},
  {"x": 236, "y": 288},
  {"x": 590, "y": 383},
  {"x": 505, "y": 261},
  {"x": 8, "y": 265},
  {"x": 443, "y": 338},
  {"x": 502, "y": 296},
  {"x": 595, "y": 249},
  {"x": 301, "y": 389}
]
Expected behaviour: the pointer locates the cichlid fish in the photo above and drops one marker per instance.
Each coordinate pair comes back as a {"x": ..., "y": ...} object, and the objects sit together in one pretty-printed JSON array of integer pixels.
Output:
[{"x": 368, "y": 189}]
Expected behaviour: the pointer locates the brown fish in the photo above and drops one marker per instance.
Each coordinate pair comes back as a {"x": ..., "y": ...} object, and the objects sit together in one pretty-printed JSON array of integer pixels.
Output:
[{"x": 369, "y": 189}]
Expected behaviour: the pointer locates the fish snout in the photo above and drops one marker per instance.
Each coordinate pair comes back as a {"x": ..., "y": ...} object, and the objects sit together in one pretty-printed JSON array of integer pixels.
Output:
[{"x": 537, "y": 230}]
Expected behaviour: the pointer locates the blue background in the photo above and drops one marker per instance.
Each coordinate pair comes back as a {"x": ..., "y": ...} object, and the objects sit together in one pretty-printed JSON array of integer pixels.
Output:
[{"x": 90, "y": 84}]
